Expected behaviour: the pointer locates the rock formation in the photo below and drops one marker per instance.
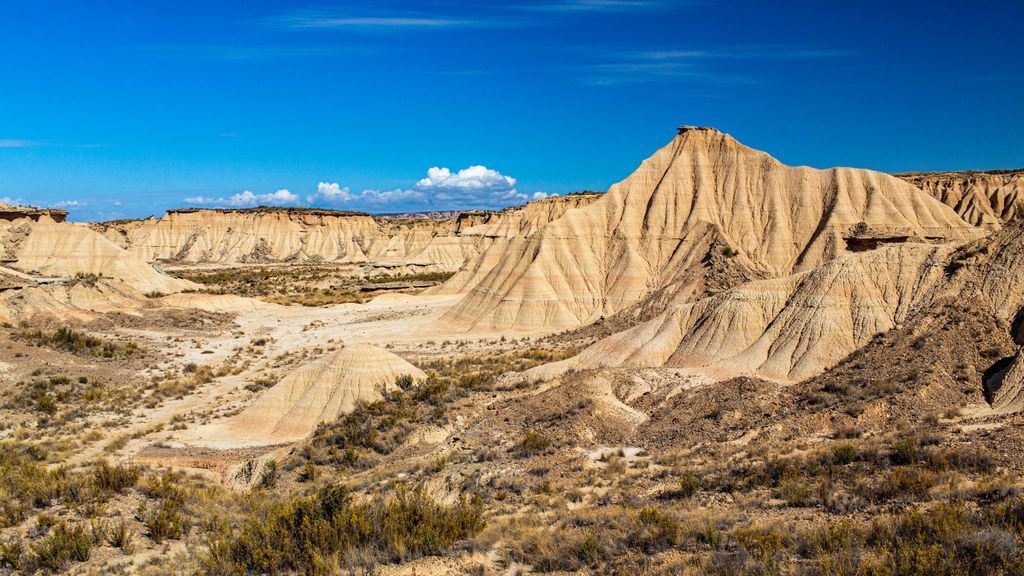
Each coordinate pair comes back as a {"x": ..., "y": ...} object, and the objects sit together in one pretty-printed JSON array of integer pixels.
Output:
[
  {"x": 981, "y": 198},
  {"x": 701, "y": 191},
  {"x": 10, "y": 213},
  {"x": 58, "y": 250},
  {"x": 317, "y": 392},
  {"x": 400, "y": 244},
  {"x": 785, "y": 328}
]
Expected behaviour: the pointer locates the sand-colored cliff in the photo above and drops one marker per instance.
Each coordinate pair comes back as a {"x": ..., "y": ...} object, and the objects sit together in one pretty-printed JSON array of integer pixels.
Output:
[
  {"x": 400, "y": 243},
  {"x": 704, "y": 189},
  {"x": 982, "y": 198},
  {"x": 47, "y": 248}
]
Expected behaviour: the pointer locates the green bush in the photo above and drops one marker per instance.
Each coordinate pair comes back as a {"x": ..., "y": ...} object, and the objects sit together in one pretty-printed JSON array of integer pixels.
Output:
[
  {"x": 11, "y": 555},
  {"x": 114, "y": 479},
  {"x": 904, "y": 451},
  {"x": 844, "y": 454},
  {"x": 298, "y": 534},
  {"x": 62, "y": 546},
  {"x": 689, "y": 485},
  {"x": 166, "y": 522}
]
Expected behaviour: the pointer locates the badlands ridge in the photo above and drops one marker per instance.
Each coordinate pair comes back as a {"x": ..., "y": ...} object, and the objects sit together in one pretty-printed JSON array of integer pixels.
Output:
[
  {"x": 718, "y": 344},
  {"x": 718, "y": 257}
]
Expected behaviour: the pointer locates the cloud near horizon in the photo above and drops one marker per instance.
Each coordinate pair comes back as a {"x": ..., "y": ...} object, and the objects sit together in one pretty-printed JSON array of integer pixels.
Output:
[
  {"x": 472, "y": 187},
  {"x": 248, "y": 199}
]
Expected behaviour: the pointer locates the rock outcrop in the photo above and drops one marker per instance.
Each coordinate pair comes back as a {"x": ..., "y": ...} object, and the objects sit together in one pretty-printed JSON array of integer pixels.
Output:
[
  {"x": 701, "y": 191},
  {"x": 785, "y": 328},
  {"x": 10, "y": 213},
  {"x": 443, "y": 242},
  {"x": 51, "y": 249},
  {"x": 985, "y": 199}
]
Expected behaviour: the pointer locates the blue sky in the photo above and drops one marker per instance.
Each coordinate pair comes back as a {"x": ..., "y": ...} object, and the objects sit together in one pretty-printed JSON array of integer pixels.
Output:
[{"x": 125, "y": 108}]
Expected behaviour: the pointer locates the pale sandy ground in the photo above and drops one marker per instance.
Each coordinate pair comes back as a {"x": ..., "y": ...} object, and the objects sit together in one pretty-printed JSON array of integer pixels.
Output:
[{"x": 396, "y": 321}]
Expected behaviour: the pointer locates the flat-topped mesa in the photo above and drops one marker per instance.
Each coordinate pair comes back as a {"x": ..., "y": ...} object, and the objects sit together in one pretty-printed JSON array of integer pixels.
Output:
[
  {"x": 10, "y": 213},
  {"x": 271, "y": 210},
  {"x": 685, "y": 128}
]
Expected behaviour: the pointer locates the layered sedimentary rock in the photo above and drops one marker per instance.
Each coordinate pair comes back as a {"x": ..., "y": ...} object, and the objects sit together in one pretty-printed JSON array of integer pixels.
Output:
[
  {"x": 702, "y": 191},
  {"x": 10, "y": 213},
  {"x": 492, "y": 234},
  {"x": 317, "y": 392},
  {"x": 786, "y": 328},
  {"x": 251, "y": 235},
  {"x": 982, "y": 198},
  {"x": 442, "y": 242},
  {"x": 47, "y": 248},
  {"x": 797, "y": 326}
]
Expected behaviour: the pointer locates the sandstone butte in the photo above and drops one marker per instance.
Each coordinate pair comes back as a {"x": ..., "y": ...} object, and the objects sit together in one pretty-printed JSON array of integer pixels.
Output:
[
  {"x": 320, "y": 391},
  {"x": 703, "y": 192}
]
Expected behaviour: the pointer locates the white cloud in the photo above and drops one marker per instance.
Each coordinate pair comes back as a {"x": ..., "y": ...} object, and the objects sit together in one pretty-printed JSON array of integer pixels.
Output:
[
  {"x": 396, "y": 195},
  {"x": 472, "y": 178},
  {"x": 247, "y": 198},
  {"x": 542, "y": 195},
  {"x": 332, "y": 192},
  {"x": 67, "y": 204},
  {"x": 472, "y": 187}
]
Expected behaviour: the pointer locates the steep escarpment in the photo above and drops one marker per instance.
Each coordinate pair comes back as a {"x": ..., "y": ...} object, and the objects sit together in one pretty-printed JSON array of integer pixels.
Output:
[
  {"x": 798, "y": 326},
  {"x": 493, "y": 234},
  {"x": 68, "y": 270},
  {"x": 785, "y": 328},
  {"x": 263, "y": 235},
  {"x": 58, "y": 250},
  {"x": 982, "y": 198},
  {"x": 701, "y": 192}
]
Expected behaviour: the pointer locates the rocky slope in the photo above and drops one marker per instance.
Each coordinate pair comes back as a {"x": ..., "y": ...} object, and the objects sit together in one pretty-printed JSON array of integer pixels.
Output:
[
  {"x": 981, "y": 198},
  {"x": 702, "y": 192},
  {"x": 45, "y": 248},
  {"x": 262, "y": 235}
]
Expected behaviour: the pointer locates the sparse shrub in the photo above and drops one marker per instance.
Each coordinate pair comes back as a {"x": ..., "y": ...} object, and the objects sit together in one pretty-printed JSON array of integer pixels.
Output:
[
  {"x": 404, "y": 382},
  {"x": 297, "y": 534},
  {"x": 62, "y": 546},
  {"x": 689, "y": 485},
  {"x": 844, "y": 454},
  {"x": 533, "y": 443},
  {"x": 269, "y": 476},
  {"x": 11, "y": 554},
  {"x": 905, "y": 451},
  {"x": 115, "y": 479},
  {"x": 308, "y": 473},
  {"x": 166, "y": 522},
  {"x": 121, "y": 536},
  {"x": 793, "y": 488}
]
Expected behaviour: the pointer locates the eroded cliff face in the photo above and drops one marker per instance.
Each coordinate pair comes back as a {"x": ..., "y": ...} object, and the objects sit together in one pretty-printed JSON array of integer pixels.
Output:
[
  {"x": 986, "y": 199},
  {"x": 296, "y": 235},
  {"x": 701, "y": 192}
]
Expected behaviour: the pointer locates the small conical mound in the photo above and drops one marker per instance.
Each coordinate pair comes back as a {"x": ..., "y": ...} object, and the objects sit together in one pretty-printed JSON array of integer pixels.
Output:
[{"x": 318, "y": 392}]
